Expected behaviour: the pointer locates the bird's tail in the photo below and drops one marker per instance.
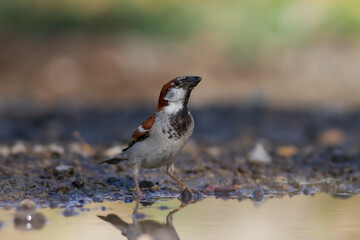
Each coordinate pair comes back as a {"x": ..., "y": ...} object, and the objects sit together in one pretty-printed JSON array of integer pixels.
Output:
[
  {"x": 115, "y": 220},
  {"x": 114, "y": 160}
]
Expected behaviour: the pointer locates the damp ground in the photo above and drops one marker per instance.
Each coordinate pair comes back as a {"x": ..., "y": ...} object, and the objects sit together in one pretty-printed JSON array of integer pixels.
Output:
[{"x": 50, "y": 156}]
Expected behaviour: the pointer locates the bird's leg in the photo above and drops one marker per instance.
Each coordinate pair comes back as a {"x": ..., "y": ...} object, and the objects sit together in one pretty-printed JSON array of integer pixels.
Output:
[
  {"x": 136, "y": 178},
  {"x": 170, "y": 172},
  {"x": 135, "y": 213},
  {"x": 169, "y": 217}
]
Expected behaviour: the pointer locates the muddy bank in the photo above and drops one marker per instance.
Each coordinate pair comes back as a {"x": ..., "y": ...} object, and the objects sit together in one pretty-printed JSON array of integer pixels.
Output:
[{"x": 241, "y": 152}]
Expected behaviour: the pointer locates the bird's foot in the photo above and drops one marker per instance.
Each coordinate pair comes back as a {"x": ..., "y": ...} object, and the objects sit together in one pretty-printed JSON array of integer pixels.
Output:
[
  {"x": 136, "y": 192},
  {"x": 189, "y": 194}
]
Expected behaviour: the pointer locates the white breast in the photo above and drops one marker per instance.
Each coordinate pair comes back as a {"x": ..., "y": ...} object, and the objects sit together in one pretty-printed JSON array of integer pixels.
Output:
[{"x": 161, "y": 146}]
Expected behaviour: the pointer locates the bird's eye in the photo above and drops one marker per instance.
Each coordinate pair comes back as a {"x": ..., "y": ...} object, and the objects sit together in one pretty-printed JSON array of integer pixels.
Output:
[{"x": 177, "y": 83}]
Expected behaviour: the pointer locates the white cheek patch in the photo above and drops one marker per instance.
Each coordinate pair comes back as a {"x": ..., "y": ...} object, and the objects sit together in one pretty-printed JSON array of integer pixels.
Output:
[
  {"x": 175, "y": 98},
  {"x": 170, "y": 95},
  {"x": 175, "y": 95}
]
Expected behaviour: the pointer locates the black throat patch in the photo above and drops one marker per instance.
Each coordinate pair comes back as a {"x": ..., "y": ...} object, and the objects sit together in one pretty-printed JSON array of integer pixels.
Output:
[{"x": 180, "y": 123}]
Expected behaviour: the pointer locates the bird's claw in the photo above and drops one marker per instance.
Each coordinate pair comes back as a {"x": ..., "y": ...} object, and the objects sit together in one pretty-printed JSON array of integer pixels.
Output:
[{"x": 187, "y": 194}]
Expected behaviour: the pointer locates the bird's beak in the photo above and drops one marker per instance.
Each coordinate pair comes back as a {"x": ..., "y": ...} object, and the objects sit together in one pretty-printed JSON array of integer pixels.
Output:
[{"x": 192, "y": 81}]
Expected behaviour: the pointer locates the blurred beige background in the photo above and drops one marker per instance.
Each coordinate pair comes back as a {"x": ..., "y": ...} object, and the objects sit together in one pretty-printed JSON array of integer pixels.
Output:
[{"x": 288, "y": 54}]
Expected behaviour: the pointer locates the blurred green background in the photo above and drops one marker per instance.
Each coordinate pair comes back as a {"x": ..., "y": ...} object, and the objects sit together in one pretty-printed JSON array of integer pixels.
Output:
[{"x": 296, "y": 53}]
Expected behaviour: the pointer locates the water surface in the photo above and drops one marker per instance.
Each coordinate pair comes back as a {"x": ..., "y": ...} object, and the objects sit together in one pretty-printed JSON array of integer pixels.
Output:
[{"x": 298, "y": 217}]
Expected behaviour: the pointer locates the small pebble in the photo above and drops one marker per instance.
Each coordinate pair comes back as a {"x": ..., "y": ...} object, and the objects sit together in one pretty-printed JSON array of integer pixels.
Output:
[
  {"x": 128, "y": 200},
  {"x": 145, "y": 184},
  {"x": 29, "y": 220},
  {"x": 214, "y": 151},
  {"x": 4, "y": 151},
  {"x": 39, "y": 149},
  {"x": 78, "y": 183},
  {"x": 97, "y": 199},
  {"x": 56, "y": 149},
  {"x": 307, "y": 192},
  {"x": 52, "y": 204},
  {"x": 148, "y": 202},
  {"x": 113, "y": 151},
  {"x": 18, "y": 148},
  {"x": 148, "y": 185},
  {"x": 25, "y": 205},
  {"x": 75, "y": 148},
  {"x": 69, "y": 212},
  {"x": 259, "y": 155},
  {"x": 258, "y": 195},
  {"x": 140, "y": 216},
  {"x": 61, "y": 169},
  {"x": 163, "y": 207}
]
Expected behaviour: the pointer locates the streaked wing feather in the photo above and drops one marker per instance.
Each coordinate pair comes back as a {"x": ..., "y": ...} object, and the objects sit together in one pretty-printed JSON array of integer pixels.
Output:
[{"x": 142, "y": 132}]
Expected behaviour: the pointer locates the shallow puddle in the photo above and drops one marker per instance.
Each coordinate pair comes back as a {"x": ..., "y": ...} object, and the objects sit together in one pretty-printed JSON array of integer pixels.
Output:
[{"x": 299, "y": 217}]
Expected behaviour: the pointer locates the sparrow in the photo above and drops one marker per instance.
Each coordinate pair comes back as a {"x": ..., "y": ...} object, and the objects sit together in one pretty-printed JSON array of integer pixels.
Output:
[
  {"x": 138, "y": 229},
  {"x": 141, "y": 227},
  {"x": 162, "y": 135}
]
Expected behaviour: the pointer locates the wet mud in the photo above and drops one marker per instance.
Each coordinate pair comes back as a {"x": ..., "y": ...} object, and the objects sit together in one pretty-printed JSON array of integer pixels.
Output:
[{"x": 50, "y": 157}]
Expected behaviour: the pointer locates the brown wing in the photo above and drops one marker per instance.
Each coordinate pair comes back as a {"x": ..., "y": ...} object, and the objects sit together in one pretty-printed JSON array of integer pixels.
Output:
[{"x": 142, "y": 132}]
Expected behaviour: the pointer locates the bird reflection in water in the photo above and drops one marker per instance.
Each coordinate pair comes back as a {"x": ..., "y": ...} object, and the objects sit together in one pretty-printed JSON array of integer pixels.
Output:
[{"x": 146, "y": 229}]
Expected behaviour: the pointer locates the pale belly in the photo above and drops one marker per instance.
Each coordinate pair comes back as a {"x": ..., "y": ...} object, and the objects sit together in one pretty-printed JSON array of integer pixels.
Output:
[
  {"x": 159, "y": 160},
  {"x": 147, "y": 156}
]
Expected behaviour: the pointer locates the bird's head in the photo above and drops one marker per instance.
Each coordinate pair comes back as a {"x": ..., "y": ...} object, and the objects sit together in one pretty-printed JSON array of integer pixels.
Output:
[{"x": 175, "y": 94}]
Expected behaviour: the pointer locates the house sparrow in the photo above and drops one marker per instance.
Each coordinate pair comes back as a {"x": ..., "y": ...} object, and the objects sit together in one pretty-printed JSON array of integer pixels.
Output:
[
  {"x": 161, "y": 136},
  {"x": 140, "y": 227}
]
